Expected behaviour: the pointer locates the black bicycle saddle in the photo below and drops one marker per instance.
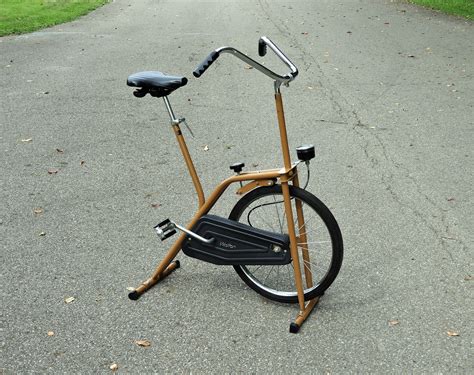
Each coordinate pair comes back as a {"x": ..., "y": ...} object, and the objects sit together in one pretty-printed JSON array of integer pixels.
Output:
[{"x": 156, "y": 84}]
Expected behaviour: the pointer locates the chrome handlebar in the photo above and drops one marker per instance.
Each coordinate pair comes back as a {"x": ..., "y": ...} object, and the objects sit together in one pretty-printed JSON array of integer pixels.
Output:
[{"x": 262, "y": 49}]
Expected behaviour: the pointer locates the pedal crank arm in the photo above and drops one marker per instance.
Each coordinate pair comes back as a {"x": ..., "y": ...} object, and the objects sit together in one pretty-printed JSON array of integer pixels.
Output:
[
  {"x": 167, "y": 228},
  {"x": 194, "y": 235}
]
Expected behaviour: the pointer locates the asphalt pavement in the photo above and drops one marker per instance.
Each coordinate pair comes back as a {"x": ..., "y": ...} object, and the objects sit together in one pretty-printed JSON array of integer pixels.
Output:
[{"x": 385, "y": 92}]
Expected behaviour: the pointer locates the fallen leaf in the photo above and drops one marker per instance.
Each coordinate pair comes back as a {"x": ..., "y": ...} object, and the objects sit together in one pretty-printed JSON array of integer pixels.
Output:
[
  {"x": 452, "y": 333},
  {"x": 304, "y": 33},
  {"x": 155, "y": 205},
  {"x": 310, "y": 87},
  {"x": 53, "y": 171},
  {"x": 412, "y": 56},
  {"x": 82, "y": 162},
  {"x": 149, "y": 195},
  {"x": 69, "y": 299},
  {"x": 50, "y": 333},
  {"x": 42, "y": 234},
  {"x": 393, "y": 322},
  {"x": 248, "y": 67},
  {"x": 60, "y": 150},
  {"x": 206, "y": 148},
  {"x": 27, "y": 140},
  {"x": 114, "y": 367},
  {"x": 38, "y": 211},
  {"x": 469, "y": 278},
  {"x": 447, "y": 238},
  {"x": 130, "y": 288},
  {"x": 143, "y": 343}
]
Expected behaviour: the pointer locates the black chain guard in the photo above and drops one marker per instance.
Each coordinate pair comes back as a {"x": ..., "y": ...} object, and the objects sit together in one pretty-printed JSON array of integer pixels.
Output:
[{"x": 236, "y": 243}]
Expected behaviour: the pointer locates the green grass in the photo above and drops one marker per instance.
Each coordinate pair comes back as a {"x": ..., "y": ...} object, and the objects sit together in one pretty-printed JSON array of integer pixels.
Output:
[
  {"x": 463, "y": 8},
  {"x": 20, "y": 16}
]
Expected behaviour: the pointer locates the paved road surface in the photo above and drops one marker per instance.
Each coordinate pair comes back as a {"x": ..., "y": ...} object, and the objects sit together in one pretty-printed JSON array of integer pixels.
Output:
[{"x": 385, "y": 92}]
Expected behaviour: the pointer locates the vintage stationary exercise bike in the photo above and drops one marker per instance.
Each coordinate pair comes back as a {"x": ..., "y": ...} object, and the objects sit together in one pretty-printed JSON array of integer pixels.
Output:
[{"x": 281, "y": 240}]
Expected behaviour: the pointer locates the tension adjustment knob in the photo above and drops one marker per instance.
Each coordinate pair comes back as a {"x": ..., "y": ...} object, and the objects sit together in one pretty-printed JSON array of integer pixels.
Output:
[{"x": 237, "y": 167}]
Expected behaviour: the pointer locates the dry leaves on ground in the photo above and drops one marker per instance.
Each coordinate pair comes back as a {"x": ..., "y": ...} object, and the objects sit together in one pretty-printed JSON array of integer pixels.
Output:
[
  {"x": 114, "y": 367},
  {"x": 38, "y": 211},
  {"x": 393, "y": 322},
  {"x": 143, "y": 343},
  {"x": 452, "y": 333},
  {"x": 69, "y": 299}
]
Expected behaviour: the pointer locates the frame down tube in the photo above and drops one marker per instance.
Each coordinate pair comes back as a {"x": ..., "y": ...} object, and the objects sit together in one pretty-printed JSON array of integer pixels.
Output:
[
  {"x": 166, "y": 266},
  {"x": 287, "y": 200},
  {"x": 305, "y": 309}
]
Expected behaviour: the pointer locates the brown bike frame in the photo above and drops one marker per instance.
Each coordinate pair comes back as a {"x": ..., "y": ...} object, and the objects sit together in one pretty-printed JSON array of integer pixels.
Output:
[{"x": 285, "y": 175}]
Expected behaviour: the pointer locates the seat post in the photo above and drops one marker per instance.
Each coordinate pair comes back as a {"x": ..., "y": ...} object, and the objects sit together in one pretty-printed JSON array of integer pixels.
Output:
[
  {"x": 173, "y": 118},
  {"x": 184, "y": 150}
]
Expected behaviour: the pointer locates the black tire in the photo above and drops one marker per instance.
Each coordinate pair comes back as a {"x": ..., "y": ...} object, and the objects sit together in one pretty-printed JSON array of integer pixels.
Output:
[{"x": 270, "y": 199}]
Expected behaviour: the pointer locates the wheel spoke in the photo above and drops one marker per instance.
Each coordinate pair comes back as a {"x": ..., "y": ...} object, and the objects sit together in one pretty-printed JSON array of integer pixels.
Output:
[
  {"x": 278, "y": 215},
  {"x": 310, "y": 265},
  {"x": 269, "y": 272},
  {"x": 312, "y": 242}
]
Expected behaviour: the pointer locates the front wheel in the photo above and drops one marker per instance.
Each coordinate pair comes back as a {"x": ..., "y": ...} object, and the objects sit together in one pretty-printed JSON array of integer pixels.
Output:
[{"x": 320, "y": 246}]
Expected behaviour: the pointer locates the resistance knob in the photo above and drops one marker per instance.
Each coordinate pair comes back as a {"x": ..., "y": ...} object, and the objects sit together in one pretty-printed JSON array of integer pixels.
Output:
[{"x": 237, "y": 167}]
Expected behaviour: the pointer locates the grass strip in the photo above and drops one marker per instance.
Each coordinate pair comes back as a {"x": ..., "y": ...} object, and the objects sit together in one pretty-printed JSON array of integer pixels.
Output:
[
  {"x": 463, "y": 8},
  {"x": 20, "y": 16}
]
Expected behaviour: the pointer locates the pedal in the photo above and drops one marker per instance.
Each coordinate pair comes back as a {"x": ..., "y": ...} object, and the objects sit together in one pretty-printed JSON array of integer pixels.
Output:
[{"x": 165, "y": 229}]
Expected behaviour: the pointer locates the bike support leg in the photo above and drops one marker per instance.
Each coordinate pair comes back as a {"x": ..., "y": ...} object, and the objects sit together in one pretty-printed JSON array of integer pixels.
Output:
[
  {"x": 166, "y": 266},
  {"x": 296, "y": 325}
]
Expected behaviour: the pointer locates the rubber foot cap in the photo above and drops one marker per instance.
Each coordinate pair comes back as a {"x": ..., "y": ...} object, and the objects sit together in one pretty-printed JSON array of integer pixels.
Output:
[
  {"x": 294, "y": 328},
  {"x": 134, "y": 295},
  {"x": 178, "y": 264}
]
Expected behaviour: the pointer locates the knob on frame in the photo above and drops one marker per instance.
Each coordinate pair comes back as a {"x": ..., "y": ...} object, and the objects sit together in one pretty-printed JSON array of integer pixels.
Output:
[
  {"x": 305, "y": 152},
  {"x": 237, "y": 167}
]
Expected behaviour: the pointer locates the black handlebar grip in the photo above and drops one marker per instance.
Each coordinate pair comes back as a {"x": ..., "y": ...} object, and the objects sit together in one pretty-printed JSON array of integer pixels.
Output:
[
  {"x": 206, "y": 64},
  {"x": 262, "y": 47}
]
